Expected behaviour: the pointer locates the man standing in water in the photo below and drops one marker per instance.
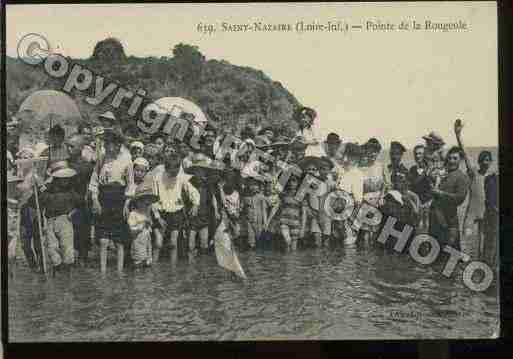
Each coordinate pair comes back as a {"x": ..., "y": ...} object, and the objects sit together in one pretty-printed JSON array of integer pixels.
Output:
[
  {"x": 395, "y": 166},
  {"x": 419, "y": 184},
  {"x": 174, "y": 191},
  {"x": 434, "y": 156},
  {"x": 447, "y": 197},
  {"x": 82, "y": 216},
  {"x": 473, "y": 225},
  {"x": 491, "y": 219}
]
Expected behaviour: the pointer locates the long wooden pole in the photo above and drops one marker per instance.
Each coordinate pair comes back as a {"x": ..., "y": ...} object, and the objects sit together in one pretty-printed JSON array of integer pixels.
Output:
[{"x": 40, "y": 228}]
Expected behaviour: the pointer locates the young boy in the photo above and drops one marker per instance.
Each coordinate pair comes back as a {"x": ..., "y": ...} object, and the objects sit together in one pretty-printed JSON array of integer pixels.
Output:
[
  {"x": 254, "y": 209},
  {"x": 139, "y": 223},
  {"x": 58, "y": 200},
  {"x": 292, "y": 214},
  {"x": 310, "y": 166},
  {"x": 136, "y": 149},
  {"x": 141, "y": 168}
]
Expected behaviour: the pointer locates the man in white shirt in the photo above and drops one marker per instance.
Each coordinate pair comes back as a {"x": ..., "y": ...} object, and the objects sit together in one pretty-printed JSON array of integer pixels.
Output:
[{"x": 174, "y": 191}]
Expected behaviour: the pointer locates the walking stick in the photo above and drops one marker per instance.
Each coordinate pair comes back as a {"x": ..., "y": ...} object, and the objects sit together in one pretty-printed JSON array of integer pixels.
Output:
[{"x": 40, "y": 228}]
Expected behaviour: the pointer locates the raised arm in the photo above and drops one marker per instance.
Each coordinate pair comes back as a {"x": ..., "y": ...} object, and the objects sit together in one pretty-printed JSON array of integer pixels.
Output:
[{"x": 458, "y": 127}]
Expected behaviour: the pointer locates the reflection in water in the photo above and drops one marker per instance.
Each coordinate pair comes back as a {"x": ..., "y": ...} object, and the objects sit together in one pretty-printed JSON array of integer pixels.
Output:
[{"x": 329, "y": 293}]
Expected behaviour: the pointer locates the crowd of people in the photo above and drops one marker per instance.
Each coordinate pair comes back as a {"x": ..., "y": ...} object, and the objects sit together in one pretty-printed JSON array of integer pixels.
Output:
[{"x": 152, "y": 197}]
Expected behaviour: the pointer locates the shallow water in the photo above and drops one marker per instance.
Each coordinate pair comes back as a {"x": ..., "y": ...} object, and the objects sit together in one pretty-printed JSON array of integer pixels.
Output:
[{"x": 343, "y": 293}]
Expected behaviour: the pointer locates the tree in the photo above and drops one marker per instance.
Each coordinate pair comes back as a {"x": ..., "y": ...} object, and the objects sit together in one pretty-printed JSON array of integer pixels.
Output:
[{"x": 109, "y": 51}]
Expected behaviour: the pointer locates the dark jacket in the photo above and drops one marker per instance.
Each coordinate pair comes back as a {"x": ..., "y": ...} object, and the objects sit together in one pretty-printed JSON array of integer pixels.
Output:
[
  {"x": 444, "y": 209},
  {"x": 420, "y": 183},
  {"x": 59, "y": 198}
]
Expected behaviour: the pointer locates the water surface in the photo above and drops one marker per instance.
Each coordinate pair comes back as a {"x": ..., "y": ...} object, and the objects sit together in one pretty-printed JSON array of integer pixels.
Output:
[{"x": 343, "y": 293}]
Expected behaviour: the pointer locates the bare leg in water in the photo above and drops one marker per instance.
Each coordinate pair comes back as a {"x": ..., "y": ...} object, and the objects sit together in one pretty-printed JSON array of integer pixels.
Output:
[
  {"x": 104, "y": 243},
  {"x": 173, "y": 255},
  {"x": 285, "y": 232},
  {"x": 203, "y": 234},
  {"x": 318, "y": 239},
  {"x": 157, "y": 245},
  {"x": 192, "y": 243},
  {"x": 121, "y": 256}
]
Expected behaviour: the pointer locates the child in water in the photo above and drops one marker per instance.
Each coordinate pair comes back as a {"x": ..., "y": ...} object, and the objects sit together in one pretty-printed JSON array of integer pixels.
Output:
[
  {"x": 272, "y": 200},
  {"x": 140, "y": 223},
  {"x": 254, "y": 209},
  {"x": 293, "y": 215},
  {"x": 59, "y": 200},
  {"x": 231, "y": 203}
]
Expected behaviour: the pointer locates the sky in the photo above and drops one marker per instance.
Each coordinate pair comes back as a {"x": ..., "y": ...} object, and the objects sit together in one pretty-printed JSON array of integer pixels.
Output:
[{"x": 393, "y": 85}]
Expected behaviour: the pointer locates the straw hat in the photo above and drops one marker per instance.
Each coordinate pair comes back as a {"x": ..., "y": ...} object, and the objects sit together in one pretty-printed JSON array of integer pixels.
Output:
[
  {"x": 60, "y": 169},
  {"x": 434, "y": 138},
  {"x": 141, "y": 161},
  {"x": 108, "y": 116},
  {"x": 137, "y": 144},
  {"x": 265, "y": 129}
]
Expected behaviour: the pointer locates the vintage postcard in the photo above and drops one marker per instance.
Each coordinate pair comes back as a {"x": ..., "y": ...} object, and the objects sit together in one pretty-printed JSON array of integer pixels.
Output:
[{"x": 255, "y": 171}]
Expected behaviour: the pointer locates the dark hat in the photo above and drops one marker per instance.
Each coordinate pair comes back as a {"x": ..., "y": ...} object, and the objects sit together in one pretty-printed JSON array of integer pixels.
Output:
[
  {"x": 310, "y": 160},
  {"x": 298, "y": 144},
  {"x": 57, "y": 130},
  {"x": 113, "y": 135},
  {"x": 333, "y": 138},
  {"x": 151, "y": 150},
  {"x": 327, "y": 162},
  {"x": 397, "y": 146},
  {"x": 263, "y": 130},
  {"x": 354, "y": 150},
  {"x": 211, "y": 126},
  {"x": 304, "y": 111},
  {"x": 261, "y": 141},
  {"x": 372, "y": 145}
]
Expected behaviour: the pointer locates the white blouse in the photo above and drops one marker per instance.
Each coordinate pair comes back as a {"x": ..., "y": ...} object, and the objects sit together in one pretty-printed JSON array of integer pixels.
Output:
[{"x": 170, "y": 197}]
